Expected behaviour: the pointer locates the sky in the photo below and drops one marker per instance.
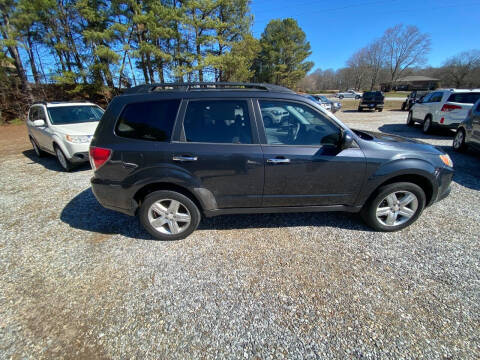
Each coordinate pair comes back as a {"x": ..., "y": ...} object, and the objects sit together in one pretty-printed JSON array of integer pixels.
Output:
[{"x": 336, "y": 29}]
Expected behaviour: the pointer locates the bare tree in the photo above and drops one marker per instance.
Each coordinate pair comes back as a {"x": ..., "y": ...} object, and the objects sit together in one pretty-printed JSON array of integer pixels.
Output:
[
  {"x": 358, "y": 68},
  {"x": 375, "y": 58},
  {"x": 405, "y": 47},
  {"x": 461, "y": 67}
]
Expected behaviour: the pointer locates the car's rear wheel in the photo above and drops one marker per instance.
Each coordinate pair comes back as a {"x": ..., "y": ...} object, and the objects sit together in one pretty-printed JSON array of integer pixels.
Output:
[
  {"x": 62, "y": 159},
  {"x": 360, "y": 108},
  {"x": 37, "y": 150},
  {"x": 169, "y": 215},
  {"x": 404, "y": 105},
  {"x": 357, "y": 97},
  {"x": 459, "y": 141},
  {"x": 380, "y": 110},
  {"x": 340, "y": 97},
  {"x": 394, "y": 206},
  {"x": 410, "y": 121},
  {"x": 427, "y": 125}
]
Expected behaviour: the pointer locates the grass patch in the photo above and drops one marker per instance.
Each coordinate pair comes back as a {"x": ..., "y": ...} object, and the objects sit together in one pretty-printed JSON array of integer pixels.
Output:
[
  {"x": 16, "y": 121},
  {"x": 388, "y": 105}
]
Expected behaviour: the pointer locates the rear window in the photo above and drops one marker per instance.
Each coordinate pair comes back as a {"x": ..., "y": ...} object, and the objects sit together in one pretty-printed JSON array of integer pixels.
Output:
[
  {"x": 464, "y": 98},
  {"x": 148, "y": 120}
]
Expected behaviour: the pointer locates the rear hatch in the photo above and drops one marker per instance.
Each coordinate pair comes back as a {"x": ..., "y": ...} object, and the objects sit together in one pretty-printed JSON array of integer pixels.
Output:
[
  {"x": 375, "y": 97},
  {"x": 457, "y": 106}
]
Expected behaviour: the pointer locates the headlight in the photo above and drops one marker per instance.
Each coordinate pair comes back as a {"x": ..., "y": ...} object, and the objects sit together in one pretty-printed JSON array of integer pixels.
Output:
[
  {"x": 446, "y": 160},
  {"x": 78, "y": 139}
]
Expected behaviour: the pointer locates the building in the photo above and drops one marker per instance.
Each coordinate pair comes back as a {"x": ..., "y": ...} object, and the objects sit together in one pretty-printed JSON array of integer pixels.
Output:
[{"x": 412, "y": 83}]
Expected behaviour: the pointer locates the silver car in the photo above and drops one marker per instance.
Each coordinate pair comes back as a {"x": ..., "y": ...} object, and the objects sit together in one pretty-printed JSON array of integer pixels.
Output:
[
  {"x": 349, "y": 94},
  {"x": 468, "y": 132}
]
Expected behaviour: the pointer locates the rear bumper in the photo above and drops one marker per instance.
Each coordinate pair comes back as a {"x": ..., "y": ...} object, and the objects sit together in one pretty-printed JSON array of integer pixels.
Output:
[{"x": 113, "y": 197}]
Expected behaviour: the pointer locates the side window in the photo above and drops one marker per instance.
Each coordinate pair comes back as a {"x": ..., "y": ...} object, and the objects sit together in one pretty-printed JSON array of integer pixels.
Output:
[
  {"x": 291, "y": 123},
  {"x": 218, "y": 121},
  {"x": 41, "y": 114},
  {"x": 33, "y": 114},
  {"x": 148, "y": 120},
  {"x": 436, "y": 97},
  {"x": 426, "y": 98}
]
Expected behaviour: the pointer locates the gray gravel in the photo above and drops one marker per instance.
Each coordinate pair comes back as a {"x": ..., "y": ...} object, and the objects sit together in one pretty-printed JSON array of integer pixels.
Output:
[{"x": 79, "y": 281}]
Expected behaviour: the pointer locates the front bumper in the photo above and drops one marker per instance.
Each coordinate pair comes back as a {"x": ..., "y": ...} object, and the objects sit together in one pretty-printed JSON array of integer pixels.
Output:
[{"x": 444, "y": 178}]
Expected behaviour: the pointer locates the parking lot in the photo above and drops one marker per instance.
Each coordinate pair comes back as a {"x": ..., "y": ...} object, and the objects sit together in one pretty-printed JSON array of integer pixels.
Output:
[{"x": 80, "y": 281}]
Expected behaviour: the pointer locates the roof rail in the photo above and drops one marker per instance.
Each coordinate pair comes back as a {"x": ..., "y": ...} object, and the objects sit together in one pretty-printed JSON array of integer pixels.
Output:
[
  {"x": 43, "y": 102},
  {"x": 195, "y": 86}
]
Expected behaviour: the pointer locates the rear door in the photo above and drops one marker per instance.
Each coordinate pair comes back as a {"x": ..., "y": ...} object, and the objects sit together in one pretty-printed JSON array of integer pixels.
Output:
[
  {"x": 457, "y": 106},
  {"x": 219, "y": 146},
  {"x": 303, "y": 165},
  {"x": 419, "y": 110}
]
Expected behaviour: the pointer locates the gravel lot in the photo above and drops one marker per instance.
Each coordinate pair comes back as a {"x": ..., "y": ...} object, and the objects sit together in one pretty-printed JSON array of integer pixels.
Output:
[{"x": 79, "y": 281}]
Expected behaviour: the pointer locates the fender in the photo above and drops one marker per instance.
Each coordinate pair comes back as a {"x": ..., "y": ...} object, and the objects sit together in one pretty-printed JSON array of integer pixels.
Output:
[
  {"x": 170, "y": 174},
  {"x": 57, "y": 142},
  {"x": 396, "y": 168}
]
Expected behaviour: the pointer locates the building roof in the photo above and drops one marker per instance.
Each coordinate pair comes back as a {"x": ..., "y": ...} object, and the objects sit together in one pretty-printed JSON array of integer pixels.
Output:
[{"x": 416, "y": 78}]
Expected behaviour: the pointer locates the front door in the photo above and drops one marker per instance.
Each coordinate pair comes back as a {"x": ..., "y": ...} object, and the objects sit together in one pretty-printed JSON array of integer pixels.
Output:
[
  {"x": 303, "y": 165},
  {"x": 220, "y": 150}
]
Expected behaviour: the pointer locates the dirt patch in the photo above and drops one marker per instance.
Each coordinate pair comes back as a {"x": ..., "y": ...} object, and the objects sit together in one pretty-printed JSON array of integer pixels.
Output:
[{"x": 13, "y": 140}]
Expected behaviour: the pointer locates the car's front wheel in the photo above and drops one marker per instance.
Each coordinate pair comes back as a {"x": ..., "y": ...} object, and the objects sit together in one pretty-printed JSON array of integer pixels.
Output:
[
  {"x": 169, "y": 215},
  {"x": 410, "y": 121},
  {"x": 394, "y": 206},
  {"x": 427, "y": 125},
  {"x": 62, "y": 159},
  {"x": 459, "y": 141},
  {"x": 37, "y": 150}
]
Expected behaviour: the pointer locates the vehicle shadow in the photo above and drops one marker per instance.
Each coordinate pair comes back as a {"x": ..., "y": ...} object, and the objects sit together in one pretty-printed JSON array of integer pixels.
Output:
[
  {"x": 416, "y": 132},
  {"x": 50, "y": 162},
  {"x": 85, "y": 213}
]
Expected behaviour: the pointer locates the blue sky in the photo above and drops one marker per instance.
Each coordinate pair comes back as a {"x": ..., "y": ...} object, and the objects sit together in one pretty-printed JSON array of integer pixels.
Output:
[{"x": 337, "y": 29}]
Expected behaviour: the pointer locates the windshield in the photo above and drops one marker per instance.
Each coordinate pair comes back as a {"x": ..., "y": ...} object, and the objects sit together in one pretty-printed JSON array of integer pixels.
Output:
[
  {"x": 322, "y": 98},
  {"x": 62, "y": 115}
]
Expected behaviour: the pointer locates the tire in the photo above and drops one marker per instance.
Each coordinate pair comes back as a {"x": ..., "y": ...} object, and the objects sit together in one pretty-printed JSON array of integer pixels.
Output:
[
  {"x": 360, "y": 108},
  {"x": 410, "y": 121},
  {"x": 165, "y": 205},
  {"x": 392, "y": 210},
  {"x": 427, "y": 125},
  {"x": 380, "y": 110},
  {"x": 62, "y": 160},
  {"x": 39, "y": 153},
  {"x": 459, "y": 141},
  {"x": 340, "y": 97},
  {"x": 404, "y": 106},
  {"x": 357, "y": 97}
]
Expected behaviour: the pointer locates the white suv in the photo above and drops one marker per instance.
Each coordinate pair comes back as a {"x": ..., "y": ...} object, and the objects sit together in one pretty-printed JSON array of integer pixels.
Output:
[
  {"x": 63, "y": 129},
  {"x": 443, "y": 108}
]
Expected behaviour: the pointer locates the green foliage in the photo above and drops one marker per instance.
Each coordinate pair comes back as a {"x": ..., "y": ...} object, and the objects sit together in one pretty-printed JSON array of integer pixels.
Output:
[{"x": 284, "y": 50}]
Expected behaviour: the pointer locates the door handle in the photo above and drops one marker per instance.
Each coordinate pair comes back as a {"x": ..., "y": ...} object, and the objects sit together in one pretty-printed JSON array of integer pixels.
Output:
[
  {"x": 278, "y": 161},
  {"x": 184, "y": 158}
]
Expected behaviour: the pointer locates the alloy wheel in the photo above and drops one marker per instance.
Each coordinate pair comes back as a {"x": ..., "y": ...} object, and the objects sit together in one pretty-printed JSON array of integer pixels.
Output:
[
  {"x": 169, "y": 216},
  {"x": 35, "y": 147},
  {"x": 61, "y": 158},
  {"x": 458, "y": 140},
  {"x": 397, "y": 208}
]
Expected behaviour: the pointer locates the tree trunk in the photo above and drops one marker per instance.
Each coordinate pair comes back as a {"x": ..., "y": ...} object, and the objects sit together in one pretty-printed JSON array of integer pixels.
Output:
[
  {"x": 32, "y": 60},
  {"x": 131, "y": 70}
]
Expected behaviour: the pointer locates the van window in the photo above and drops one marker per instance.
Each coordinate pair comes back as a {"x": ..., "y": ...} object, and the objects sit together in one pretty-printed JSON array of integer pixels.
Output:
[
  {"x": 218, "y": 121},
  {"x": 148, "y": 120}
]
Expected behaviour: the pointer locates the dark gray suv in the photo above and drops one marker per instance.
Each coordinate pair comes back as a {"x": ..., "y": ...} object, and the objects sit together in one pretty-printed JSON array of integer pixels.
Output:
[{"x": 174, "y": 152}]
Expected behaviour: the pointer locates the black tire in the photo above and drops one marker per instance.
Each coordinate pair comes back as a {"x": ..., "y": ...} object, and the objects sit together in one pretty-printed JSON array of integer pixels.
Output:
[
  {"x": 404, "y": 105},
  {"x": 64, "y": 162},
  {"x": 357, "y": 97},
  {"x": 380, "y": 110},
  {"x": 167, "y": 195},
  {"x": 360, "y": 108},
  {"x": 369, "y": 211},
  {"x": 39, "y": 153},
  {"x": 340, "y": 97},
  {"x": 427, "y": 125},
  {"x": 458, "y": 143},
  {"x": 410, "y": 121}
]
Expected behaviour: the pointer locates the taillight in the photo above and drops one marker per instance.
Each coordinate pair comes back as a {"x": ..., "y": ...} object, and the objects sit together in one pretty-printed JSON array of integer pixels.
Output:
[
  {"x": 99, "y": 156},
  {"x": 450, "y": 107}
]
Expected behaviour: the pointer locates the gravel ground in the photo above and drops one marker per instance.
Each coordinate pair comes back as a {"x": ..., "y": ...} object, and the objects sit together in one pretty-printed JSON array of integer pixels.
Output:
[{"x": 79, "y": 281}]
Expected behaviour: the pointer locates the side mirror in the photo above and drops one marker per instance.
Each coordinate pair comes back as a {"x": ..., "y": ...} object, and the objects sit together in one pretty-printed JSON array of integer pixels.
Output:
[
  {"x": 346, "y": 140},
  {"x": 39, "y": 123}
]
